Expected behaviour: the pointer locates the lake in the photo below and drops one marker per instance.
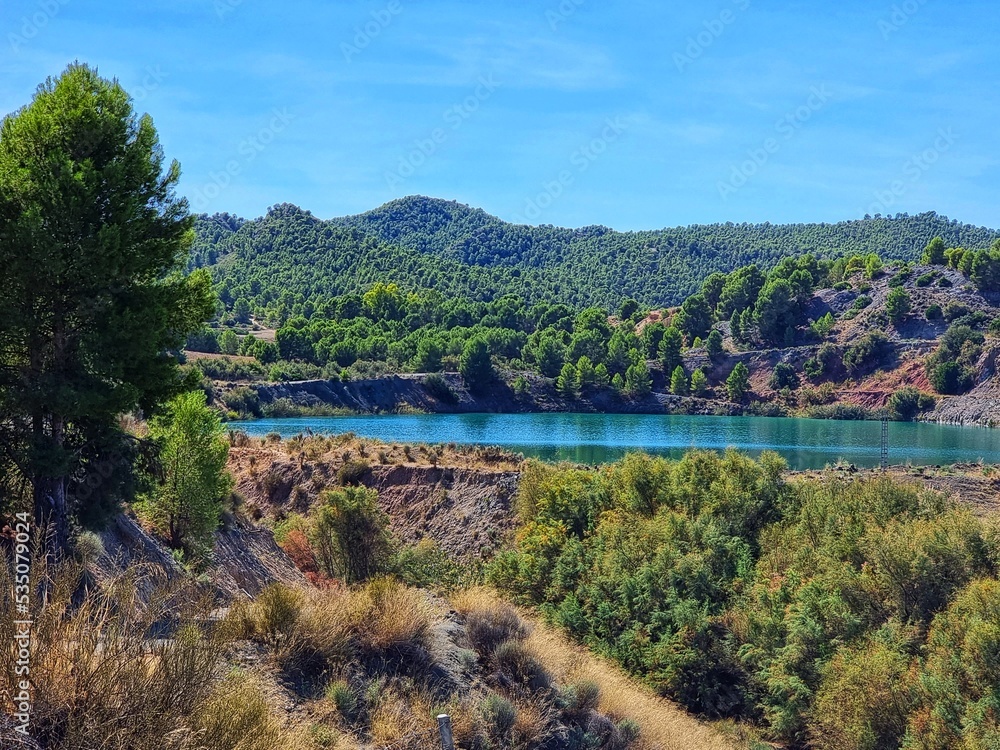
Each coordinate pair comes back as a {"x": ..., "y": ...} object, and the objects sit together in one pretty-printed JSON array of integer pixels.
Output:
[{"x": 601, "y": 438}]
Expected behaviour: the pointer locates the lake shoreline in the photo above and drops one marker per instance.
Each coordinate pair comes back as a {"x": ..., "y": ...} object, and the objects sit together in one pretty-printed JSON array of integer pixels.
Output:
[{"x": 588, "y": 438}]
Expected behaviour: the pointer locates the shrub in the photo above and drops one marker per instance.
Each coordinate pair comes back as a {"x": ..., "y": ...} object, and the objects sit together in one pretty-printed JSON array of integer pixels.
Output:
[
  {"x": 352, "y": 472},
  {"x": 933, "y": 312},
  {"x": 846, "y": 412},
  {"x": 236, "y": 715},
  {"x": 868, "y": 353},
  {"x": 784, "y": 376},
  {"x": 518, "y": 663},
  {"x": 426, "y": 565},
  {"x": 489, "y": 621},
  {"x": 925, "y": 279},
  {"x": 950, "y": 378},
  {"x": 907, "y": 402},
  {"x": 244, "y": 401},
  {"x": 349, "y": 534},
  {"x": 438, "y": 387},
  {"x": 954, "y": 309},
  {"x": 897, "y": 305},
  {"x": 499, "y": 715}
]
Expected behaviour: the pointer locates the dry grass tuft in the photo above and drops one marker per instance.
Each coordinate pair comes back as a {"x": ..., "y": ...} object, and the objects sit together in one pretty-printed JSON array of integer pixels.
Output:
[
  {"x": 131, "y": 665},
  {"x": 489, "y": 621}
]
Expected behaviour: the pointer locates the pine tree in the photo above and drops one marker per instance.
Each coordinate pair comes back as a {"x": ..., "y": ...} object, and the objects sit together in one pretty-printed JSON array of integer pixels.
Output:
[
  {"x": 638, "y": 382},
  {"x": 738, "y": 382},
  {"x": 679, "y": 383},
  {"x": 92, "y": 242},
  {"x": 187, "y": 504},
  {"x": 566, "y": 382},
  {"x": 699, "y": 382},
  {"x": 475, "y": 365}
]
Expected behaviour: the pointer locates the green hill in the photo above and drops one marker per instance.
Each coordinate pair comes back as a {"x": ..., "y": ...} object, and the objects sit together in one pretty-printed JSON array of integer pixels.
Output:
[{"x": 421, "y": 242}]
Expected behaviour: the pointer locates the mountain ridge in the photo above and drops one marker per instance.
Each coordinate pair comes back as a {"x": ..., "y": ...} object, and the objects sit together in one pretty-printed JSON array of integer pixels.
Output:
[{"x": 421, "y": 242}]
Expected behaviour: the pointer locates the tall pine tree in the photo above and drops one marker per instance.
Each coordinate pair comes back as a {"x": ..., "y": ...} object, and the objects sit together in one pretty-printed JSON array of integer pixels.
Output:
[{"x": 92, "y": 302}]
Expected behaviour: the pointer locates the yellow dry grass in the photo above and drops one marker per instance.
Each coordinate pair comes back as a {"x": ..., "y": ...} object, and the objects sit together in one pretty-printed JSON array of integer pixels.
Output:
[{"x": 663, "y": 724}]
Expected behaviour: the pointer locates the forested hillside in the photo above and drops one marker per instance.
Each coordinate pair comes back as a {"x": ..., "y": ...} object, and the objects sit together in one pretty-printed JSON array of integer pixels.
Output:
[{"x": 289, "y": 257}]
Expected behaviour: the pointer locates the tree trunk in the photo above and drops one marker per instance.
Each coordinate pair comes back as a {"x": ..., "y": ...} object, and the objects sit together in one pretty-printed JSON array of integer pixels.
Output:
[{"x": 51, "y": 509}]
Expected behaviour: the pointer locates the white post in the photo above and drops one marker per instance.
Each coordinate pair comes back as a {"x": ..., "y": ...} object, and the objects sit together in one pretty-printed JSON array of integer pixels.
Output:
[{"x": 444, "y": 725}]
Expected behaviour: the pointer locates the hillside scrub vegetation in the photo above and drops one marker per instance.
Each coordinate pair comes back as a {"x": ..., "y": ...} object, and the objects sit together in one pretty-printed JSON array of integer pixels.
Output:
[{"x": 833, "y": 613}]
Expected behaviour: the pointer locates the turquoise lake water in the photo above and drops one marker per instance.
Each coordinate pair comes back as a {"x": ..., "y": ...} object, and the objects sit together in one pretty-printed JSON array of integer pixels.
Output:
[{"x": 600, "y": 438}]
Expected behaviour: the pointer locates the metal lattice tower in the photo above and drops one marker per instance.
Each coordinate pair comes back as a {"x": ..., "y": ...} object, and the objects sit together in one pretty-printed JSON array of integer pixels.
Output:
[{"x": 885, "y": 441}]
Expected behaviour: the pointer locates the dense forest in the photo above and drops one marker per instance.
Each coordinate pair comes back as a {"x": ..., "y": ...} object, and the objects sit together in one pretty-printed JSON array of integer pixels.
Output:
[
  {"x": 387, "y": 330},
  {"x": 281, "y": 262}
]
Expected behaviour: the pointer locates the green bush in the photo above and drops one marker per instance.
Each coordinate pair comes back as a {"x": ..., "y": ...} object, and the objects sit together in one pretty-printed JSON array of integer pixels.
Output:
[
  {"x": 905, "y": 404},
  {"x": 784, "y": 376},
  {"x": 870, "y": 352},
  {"x": 349, "y": 535}
]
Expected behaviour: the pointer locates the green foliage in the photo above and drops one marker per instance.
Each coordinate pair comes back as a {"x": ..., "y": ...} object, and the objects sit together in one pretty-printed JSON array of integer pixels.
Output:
[
  {"x": 738, "y": 383},
  {"x": 463, "y": 252},
  {"x": 699, "y": 383},
  {"x": 897, "y": 305},
  {"x": 777, "y": 310},
  {"x": 586, "y": 376},
  {"x": 566, "y": 383},
  {"x": 92, "y": 239},
  {"x": 806, "y": 605},
  {"x": 784, "y": 376},
  {"x": 959, "y": 685},
  {"x": 475, "y": 365},
  {"x": 669, "y": 350},
  {"x": 933, "y": 312},
  {"x": 186, "y": 505},
  {"x": 906, "y": 403},
  {"x": 679, "y": 383},
  {"x": 934, "y": 253},
  {"x": 426, "y": 565},
  {"x": 349, "y": 535},
  {"x": 843, "y": 412},
  {"x": 869, "y": 353},
  {"x": 694, "y": 319},
  {"x": 229, "y": 342},
  {"x": 713, "y": 345},
  {"x": 821, "y": 328},
  {"x": 951, "y": 368},
  {"x": 638, "y": 381}
]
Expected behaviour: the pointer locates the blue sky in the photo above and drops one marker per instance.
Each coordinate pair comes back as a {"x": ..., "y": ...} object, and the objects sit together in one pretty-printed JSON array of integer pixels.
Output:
[{"x": 634, "y": 115}]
